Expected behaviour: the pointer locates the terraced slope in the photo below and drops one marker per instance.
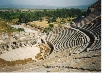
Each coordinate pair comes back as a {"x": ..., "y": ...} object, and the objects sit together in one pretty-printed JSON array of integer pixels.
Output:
[
  {"x": 91, "y": 25},
  {"x": 67, "y": 38}
]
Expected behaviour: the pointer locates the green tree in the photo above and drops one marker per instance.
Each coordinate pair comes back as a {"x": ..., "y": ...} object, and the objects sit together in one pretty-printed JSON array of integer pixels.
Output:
[
  {"x": 51, "y": 25},
  {"x": 20, "y": 29}
]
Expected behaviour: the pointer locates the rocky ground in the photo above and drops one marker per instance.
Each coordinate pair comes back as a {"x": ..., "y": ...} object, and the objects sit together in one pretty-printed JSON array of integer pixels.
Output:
[{"x": 61, "y": 62}]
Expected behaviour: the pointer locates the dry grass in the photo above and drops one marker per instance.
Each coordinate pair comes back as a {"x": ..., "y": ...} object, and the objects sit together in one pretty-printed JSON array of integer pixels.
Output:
[
  {"x": 42, "y": 48},
  {"x": 39, "y": 23},
  {"x": 39, "y": 56},
  {"x": 4, "y": 26},
  {"x": 13, "y": 63},
  {"x": 43, "y": 23},
  {"x": 46, "y": 48},
  {"x": 12, "y": 21}
]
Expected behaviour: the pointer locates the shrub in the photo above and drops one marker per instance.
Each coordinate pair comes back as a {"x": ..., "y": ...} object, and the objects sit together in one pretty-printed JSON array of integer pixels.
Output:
[
  {"x": 20, "y": 29},
  {"x": 51, "y": 25}
]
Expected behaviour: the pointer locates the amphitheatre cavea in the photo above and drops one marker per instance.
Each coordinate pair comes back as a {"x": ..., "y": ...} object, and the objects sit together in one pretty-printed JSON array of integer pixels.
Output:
[{"x": 38, "y": 41}]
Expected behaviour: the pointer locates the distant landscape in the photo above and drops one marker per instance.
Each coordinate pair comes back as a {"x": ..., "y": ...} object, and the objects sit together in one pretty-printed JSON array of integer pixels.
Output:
[{"x": 42, "y": 6}]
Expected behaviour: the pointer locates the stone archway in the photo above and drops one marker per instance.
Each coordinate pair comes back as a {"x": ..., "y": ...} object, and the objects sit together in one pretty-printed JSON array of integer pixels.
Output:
[{"x": 51, "y": 47}]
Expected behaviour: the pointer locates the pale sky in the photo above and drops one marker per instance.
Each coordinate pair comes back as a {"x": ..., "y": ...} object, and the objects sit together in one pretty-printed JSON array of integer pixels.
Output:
[{"x": 49, "y": 2}]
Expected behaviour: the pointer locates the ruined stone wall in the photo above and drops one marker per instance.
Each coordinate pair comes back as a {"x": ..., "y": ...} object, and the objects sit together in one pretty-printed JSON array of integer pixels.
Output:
[{"x": 17, "y": 40}]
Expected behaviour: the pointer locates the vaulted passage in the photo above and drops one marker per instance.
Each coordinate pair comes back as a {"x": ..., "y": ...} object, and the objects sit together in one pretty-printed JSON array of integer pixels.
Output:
[{"x": 51, "y": 47}]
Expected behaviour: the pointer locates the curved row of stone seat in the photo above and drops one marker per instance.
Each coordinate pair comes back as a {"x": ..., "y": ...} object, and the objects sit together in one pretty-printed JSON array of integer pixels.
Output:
[
  {"x": 89, "y": 23},
  {"x": 60, "y": 35},
  {"x": 94, "y": 27},
  {"x": 49, "y": 36},
  {"x": 96, "y": 30},
  {"x": 59, "y": 41},
  {"x": 57, "y": 30},
  {"x": 97, "y": 34},
  {"x": 69, "y": 38},
  {"x": 96, "y": 45},
  {"x": 88, "y": 19}
]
